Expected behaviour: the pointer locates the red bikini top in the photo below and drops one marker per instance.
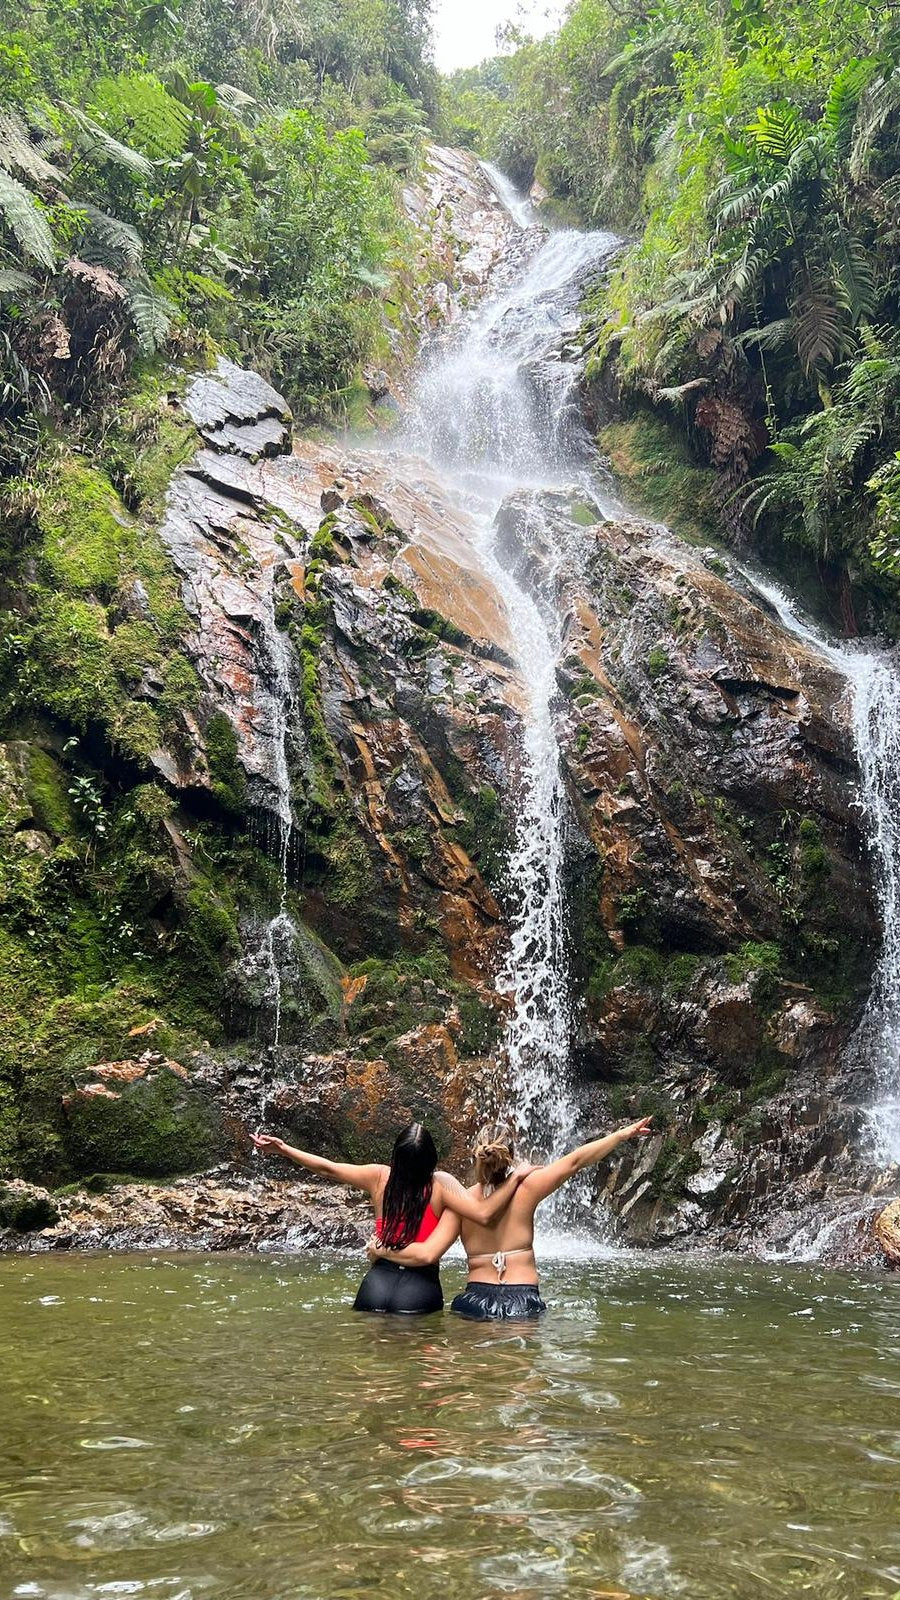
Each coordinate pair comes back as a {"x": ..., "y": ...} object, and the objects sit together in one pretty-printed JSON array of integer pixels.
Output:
[{"x": 430, "y": 1220}]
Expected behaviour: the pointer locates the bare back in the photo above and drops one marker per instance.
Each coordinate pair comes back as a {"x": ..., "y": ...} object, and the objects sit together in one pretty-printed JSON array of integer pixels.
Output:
[{"x": 512, "y": 1236}]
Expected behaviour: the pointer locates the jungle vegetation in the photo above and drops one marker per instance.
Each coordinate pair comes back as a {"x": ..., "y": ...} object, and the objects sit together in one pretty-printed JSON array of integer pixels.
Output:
[{"x": 750, "y": 153}]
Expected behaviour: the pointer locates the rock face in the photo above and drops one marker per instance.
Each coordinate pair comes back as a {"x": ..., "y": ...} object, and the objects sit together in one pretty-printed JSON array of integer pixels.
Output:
[
  {"x": 725, "y": 916},
  {"x": 299, "y": 827}
]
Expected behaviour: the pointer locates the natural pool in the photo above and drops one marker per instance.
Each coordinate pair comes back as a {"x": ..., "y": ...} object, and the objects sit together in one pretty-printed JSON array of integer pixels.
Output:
[{"x": 187, "y": 1427}]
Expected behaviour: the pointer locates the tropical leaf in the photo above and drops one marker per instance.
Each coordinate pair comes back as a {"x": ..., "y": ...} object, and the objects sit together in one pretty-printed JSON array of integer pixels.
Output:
[
  {"x": 839, "y": 113},
  {"x": 26, "y": 221},
  {"x": 777, "y": 132},
  {"x": 19, "y": 153},
  {"x": 854, "y": 275},
  {"x": 771, "y": 336},
  {"x": 151, "y": 314},
  {"x": 879, "y": 102},
  {"x": 110, "y": 242},
  {"x": 820, "y": 328},
  {"x": 98, "y": 145},
  {"x": 14, "y": 282}
]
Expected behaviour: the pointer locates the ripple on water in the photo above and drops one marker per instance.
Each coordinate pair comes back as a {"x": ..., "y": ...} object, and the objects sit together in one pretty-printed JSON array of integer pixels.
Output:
[{"x": 256, "y": 1440}]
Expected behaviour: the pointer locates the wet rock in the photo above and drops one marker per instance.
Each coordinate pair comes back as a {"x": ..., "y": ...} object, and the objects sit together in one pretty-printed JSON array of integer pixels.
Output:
[
  {"x": 237, "y": 410},
  {"x": 221, "y": 1211},
  {"x": 722, "y": 877},
  {"x": 886, "y": 1231}
]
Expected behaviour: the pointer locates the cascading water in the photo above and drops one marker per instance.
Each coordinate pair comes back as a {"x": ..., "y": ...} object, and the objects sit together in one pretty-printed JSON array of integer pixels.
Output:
[
  {"x": 497, "y": 411},
  {"x": 519, "y": 206},
  {"x": 874, "y": 685},
  {"x": 278, "y": 936}
]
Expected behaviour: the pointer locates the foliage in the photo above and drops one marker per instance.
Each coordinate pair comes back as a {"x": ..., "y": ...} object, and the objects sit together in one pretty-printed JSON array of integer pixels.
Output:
[
  {"x": 196, "y": 172},
  {"x": 755, "y": 153}
]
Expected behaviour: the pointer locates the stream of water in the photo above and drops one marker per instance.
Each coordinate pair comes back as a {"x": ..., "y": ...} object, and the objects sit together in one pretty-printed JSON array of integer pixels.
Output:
[{"x": 874, "y": 689}]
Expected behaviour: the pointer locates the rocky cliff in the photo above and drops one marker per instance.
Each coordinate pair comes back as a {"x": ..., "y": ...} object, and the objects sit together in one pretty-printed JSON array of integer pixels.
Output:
[{"x": 261, "y": 761}]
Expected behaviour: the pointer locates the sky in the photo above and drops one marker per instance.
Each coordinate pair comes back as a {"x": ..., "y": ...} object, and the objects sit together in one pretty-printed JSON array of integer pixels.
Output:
[{"x": 464, "y": 29}]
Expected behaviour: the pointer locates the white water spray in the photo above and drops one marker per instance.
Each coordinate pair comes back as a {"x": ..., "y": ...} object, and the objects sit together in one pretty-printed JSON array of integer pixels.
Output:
[
  {"x": 498, "y": 412},
  {"x": 518, "y": 205},
  {"x": 278, "y": 937},
  {"x": 874, "y": 686}
]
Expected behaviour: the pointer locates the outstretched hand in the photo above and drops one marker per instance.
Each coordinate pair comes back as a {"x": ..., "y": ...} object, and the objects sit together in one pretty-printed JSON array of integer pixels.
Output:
[
  {"x": 637, "y": 1130},
  {"x": 268, "y": 1144}
]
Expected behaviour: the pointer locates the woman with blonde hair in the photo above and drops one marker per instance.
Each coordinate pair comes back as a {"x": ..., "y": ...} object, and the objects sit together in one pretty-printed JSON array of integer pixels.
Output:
[{"x": 503, "y": 1276}]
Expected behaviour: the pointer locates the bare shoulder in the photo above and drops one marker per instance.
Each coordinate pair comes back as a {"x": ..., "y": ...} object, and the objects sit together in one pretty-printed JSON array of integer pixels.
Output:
[{"x": 447, "y": 1181}]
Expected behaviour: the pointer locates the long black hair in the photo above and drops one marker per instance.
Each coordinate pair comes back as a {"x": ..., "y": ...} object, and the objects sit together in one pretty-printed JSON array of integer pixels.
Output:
[{"x": 408, "y": 1189}]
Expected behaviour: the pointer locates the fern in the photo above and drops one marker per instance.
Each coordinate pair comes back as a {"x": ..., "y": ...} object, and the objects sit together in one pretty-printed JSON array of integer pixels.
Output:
[
  {"x": 841, "y": 107},
  {"x": 110, "y": 242},
  {"x": 26, "y": 221},
  {"x": 151, "y": 314},
  {"x": 854, "y": 276},
  {"x": 138, "y": 106},
  {"x": 100, "y": 146},
  {"x": 879, "y": 102},
  {"x": 18, "y": 154},
  {"x": 777, "y": 132},
  {"x": 14, "y": 282},
  {"x": 820, "y": 330}
]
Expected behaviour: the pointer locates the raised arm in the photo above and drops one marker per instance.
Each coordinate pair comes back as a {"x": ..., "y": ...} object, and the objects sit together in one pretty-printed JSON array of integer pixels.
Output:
[
  {"x": 463, "y": 1202},
  {"x": 427, "y": 1253},
  {"x": 545, "y": 1181},
  {"x": 359, "y": 1177}
]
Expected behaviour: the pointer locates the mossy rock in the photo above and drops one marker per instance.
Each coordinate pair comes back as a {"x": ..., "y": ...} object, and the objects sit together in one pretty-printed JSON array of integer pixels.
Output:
[
  {"x": 85, "y": 529},
  {"x": 155, "y": 1127},
  {"x": 650, "y": 458},
  {"x": 26, "y": 1210}
]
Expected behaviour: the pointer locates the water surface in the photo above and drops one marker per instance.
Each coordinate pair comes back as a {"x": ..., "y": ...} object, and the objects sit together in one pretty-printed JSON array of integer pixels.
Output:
[{"x": 192, "y": 1427}]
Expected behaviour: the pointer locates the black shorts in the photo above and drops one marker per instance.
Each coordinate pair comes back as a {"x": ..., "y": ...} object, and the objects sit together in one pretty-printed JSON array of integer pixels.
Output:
[
  {"x": 405, "y": 1291},
  {"x": 499, "y": 1302}
]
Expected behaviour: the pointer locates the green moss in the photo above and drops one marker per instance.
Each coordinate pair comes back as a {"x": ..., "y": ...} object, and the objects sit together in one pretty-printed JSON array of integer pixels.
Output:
[
  {"x": 47, "y": 793},
  {"x": 228, "y": 780},
  {"x": 485, "y": 833},
  {"x": 761, "y": 956},
  {"x": 351, "y": 879},
  {"x": 583, "y": 514},
  {"x": 657, "y": 661},
  {"x": 815, "y": 862},
  {"x": 672, "y": 1166},
  {"x": 135, "y": 728},
  {"x": 150, "y": 438},
  {"x": 134, "y": 649},
  {"x": 85, "y": 529},
  {"x": 650, "y": 457},
  {"x": 156, "y": 1126}
]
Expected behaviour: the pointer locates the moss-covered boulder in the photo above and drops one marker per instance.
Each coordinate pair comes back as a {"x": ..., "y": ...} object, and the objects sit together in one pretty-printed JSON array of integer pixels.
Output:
[
  {"x": 158, "y": 1125},
  {"x": 26, "y": 1208}
]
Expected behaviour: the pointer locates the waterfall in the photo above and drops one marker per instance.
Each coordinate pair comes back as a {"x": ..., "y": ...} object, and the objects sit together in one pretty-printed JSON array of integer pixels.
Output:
[
  {"x": 874, "y": 687},
  {"x": 497, "y": 411},
  {"x": 519, "y": 206},
  {"x": 278, "y": 711}
]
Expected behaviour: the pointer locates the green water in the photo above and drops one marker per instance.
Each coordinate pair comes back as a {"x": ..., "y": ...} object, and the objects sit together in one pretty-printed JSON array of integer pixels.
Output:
[{"x": 192, "y": 1427}]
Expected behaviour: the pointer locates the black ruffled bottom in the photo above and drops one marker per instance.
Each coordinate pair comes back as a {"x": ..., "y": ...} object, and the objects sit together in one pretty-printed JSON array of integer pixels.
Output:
[{"x": 499, "y": 1302}]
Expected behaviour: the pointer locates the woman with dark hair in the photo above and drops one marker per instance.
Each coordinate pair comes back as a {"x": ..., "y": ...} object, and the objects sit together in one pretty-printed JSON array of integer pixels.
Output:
[
  {"x": 503, "y": 1277},
  {"x": 409, "y": 1199}
]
